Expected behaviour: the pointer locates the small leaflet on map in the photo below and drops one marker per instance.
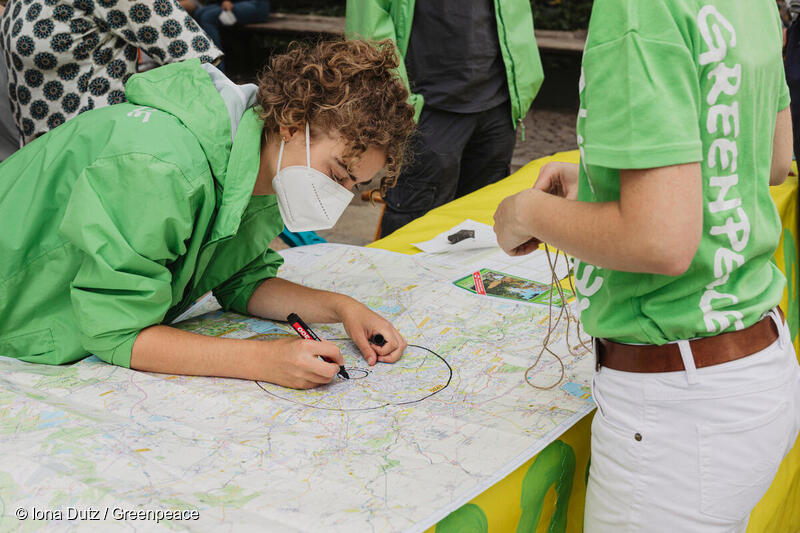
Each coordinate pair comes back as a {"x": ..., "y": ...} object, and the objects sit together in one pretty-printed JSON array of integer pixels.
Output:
[{"x": 490, "y": 282}]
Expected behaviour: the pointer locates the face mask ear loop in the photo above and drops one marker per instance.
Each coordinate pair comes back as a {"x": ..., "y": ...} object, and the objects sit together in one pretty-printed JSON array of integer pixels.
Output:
[
  {"x": 308, "y": 146},
  {"x": 280, "y": 156}
]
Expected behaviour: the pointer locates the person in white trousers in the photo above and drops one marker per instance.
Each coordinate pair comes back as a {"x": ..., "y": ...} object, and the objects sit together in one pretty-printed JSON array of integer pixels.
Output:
[{"x": 683, "y": 126}]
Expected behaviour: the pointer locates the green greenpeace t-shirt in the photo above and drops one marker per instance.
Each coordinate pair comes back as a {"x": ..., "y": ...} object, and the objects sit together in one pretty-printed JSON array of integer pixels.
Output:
[{"x": 680, "y": 81}]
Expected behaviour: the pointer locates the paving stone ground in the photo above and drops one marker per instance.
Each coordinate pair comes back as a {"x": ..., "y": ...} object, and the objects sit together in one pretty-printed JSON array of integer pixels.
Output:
[{"x": 546, "y": 131}]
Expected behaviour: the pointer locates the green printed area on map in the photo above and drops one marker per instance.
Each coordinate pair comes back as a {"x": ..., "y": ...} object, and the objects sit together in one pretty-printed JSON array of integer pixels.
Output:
[
  {"x": 514, "y": 288},
  {"x": 221, "y": 324}
]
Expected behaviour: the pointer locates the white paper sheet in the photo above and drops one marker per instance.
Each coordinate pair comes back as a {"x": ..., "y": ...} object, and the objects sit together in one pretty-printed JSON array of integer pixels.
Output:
[{"x": 484, "y": 238}]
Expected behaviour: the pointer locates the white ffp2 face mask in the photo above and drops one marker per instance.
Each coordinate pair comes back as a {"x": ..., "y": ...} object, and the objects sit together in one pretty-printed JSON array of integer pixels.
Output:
[{"x": 308, "y": 199}]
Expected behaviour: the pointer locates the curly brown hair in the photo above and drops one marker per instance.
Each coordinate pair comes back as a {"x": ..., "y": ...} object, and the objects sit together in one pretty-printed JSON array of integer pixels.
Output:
[{"x": 349, "y": 87}]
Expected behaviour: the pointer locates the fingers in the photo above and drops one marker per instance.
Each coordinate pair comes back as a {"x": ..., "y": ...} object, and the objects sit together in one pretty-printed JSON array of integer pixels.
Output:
[
  {"x": 559, "y": 179},
  {"x": 303, "y": 383},
  {"x": 526, "y": 247},
  {"x": 359, "y": 337},
  {"x": 313, "y": 369},
  {"x": 546, "y": 177},
  {"x": 326, "y": 349},
  {"x": 391, "y": 350},
  {"x": 508, "y": 243},
  {"x": 308, "y": 380},
  {"x": 512, "y": 237},
  {"x": 394, "y": 347},
  {"x": 505, "y": 246},
  {"x": 310, "y": 370},
  {"x": 510, "y": 233},
  {"x": 321, "y": 372},
  {"x": 500, "y": 228}
]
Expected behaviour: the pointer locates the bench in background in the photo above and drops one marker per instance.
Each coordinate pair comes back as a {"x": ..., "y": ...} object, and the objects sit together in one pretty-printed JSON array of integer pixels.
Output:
[{"x": 294, "y": 24}]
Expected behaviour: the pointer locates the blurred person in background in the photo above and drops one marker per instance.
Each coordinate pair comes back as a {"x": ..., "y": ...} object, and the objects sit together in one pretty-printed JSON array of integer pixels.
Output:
[
  {"x": 9, "y": 137},
  {"x": 792, "y": 65},
  {"x": 213, "y": 15},
  {"x": 65, "y": 57},
  {"x": 473, "y": 69}
]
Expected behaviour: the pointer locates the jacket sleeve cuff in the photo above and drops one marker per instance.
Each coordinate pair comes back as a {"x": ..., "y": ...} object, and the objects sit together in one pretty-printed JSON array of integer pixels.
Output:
[
  {"x": 237, "y": 300},
  {"x": 121, "y": 354},
  {"x": 234, "y": 294}
]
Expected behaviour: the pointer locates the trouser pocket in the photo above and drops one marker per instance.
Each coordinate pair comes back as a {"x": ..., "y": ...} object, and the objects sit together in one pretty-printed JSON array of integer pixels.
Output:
[
  {"x": 739, "y": 460},
  {"x": 605, "y": 416}
]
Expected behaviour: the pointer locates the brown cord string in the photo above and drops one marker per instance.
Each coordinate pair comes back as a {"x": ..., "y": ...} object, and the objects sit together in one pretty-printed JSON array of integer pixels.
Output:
[{"x": 566, "y": 313}]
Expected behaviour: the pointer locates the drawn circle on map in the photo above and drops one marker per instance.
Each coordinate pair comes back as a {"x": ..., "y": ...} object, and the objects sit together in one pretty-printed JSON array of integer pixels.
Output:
[
  {"x": 356, "y": 373},
  {"x": 418, "y": 375}
]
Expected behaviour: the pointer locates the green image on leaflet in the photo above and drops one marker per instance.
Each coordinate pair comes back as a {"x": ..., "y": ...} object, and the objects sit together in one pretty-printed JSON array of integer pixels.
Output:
[
  {"x": 555, "y": 465},
  {"x": 469, "y": 518},
  {"x": 792, "y": 270}
]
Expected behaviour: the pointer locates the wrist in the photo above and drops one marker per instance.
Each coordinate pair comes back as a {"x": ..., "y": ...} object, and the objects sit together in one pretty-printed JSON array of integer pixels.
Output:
[
  {"x": 255, "y": 360},
  {"x": 341, "y": 304},
  {"x": 525, "y": 212}
]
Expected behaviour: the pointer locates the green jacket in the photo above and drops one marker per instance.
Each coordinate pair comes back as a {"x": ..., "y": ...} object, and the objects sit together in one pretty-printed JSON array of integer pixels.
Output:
[
  {"x": 121, "y": 217},
  {"x": 392, "y": 19}
]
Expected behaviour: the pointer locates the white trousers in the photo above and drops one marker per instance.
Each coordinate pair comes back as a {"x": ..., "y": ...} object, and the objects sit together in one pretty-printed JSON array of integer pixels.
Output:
[{"x": 695, "y": 450}]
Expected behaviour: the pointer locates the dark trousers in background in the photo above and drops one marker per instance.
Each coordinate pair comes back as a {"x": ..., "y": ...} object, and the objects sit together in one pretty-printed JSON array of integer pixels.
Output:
[
  {"x": 453, "y": 154},
  {"x": 792, "y": 64}
]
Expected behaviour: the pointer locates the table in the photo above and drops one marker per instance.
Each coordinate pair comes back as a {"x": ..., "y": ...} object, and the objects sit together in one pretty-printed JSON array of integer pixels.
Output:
[{"x": 547, "y": 493}]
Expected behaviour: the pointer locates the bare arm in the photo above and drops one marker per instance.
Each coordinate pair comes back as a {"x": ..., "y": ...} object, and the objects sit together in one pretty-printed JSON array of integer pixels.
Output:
[
  {"x": 289, "y": 362},
  {"x": 654, "y": 227},
  {"x": 276, "y": 298},
  {"x": 781, "y": 148}
]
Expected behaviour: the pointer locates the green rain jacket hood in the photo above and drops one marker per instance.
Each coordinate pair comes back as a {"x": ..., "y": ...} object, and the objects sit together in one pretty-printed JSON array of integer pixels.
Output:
[{"x": 123, "y": 216}]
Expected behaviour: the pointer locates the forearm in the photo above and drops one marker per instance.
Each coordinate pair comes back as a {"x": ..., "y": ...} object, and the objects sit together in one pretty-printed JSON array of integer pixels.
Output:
[
  {"x": 781, "y": 148},
  {"x": 173, "y": 351},
  {"x": 276, "y": 298},
  {"x": 627, "y": 235},
  {"x": 593, "y": 232}
]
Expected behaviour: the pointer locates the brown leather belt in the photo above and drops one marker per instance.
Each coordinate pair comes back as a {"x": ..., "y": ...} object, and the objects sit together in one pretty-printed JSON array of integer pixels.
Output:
[{"x": 707, "y": 351}]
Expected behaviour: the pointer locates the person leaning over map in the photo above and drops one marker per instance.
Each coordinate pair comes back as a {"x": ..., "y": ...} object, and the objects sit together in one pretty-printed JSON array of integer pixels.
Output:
[
  {"x": 118, "y": 220},
  {"x": 683, "y": 126}
]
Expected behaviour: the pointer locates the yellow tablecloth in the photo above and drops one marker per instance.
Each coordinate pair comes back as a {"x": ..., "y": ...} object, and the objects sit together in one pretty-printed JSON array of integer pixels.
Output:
[{"x": 547, "y": 492}]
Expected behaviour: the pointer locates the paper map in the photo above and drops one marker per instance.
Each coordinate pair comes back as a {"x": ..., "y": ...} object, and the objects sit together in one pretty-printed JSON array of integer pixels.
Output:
[{"x": 396, "y": 448}]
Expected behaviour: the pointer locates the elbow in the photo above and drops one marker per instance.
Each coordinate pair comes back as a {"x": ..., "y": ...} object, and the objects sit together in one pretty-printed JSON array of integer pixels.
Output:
[
  {"x": 778, "y": 176},
  {"x": 674, "y": 259},
  {"x": 674, "y": 245},
  {"x": 780, "y": 168},
  {"x": 675, "y": 266}
]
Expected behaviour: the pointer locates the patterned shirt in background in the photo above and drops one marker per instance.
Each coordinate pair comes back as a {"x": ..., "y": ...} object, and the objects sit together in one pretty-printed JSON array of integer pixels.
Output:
[
  {"x": 65, "y": 57},
  {"x": 793, "y": 7}
]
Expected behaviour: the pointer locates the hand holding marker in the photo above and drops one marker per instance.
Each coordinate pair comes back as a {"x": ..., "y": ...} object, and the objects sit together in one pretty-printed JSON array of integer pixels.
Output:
[{"x": 304, "y": 331}]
